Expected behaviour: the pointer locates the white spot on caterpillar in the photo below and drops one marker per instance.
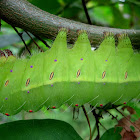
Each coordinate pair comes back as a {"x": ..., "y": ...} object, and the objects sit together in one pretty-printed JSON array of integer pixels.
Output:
[{"x": 93, "y": 48}]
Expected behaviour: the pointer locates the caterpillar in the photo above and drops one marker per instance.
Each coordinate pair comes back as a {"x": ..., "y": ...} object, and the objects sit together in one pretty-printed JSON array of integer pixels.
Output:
[{"x": 74, "y": 76}]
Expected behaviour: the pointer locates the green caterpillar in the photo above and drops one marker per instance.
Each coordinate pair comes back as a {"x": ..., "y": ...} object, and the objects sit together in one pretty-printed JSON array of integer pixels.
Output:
[{"x": 75, "y": 76}]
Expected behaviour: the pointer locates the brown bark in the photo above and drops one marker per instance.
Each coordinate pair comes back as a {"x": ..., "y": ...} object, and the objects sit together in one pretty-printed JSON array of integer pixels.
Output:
[{"x": 21, "y": 13}]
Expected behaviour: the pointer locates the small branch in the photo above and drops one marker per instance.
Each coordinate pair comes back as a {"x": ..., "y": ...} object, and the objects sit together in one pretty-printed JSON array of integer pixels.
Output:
[
  {"x": 74, "y": 110},
  {"x": 86, "y": 12},
  {"x": 42, "y": 41},
  {"x": 97, "y": 124},
  {"x": 84, "y": 110},
  {"x": 113, "y": 117},
  {"x": 22, "y": 14},
  {"x": 34, "y": 41},
  {"x": 20, "y": 35},
  {"x": 102, "y": 126},
  {"x": 126, "y": 118},
  {"x": 65, "y": 7},
  {"x": 93, "y": 131}
]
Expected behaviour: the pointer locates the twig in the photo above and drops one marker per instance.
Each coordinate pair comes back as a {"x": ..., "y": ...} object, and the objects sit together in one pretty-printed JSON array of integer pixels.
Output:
[
  {"x": 84, "y": 110},
  {"x": 74, "y": 110},
  {"x": 38, "y": 22},
  {"x": 34, "y": 41},
  {"x": 86, "y": 12},
  {"x": 65, "y": 7},
  {"x": 93, "y": 131},
  {"x": 42, "y": 41},
  {"x": 20, "y": 35},
  {"x": 97, "y": 124},
  {"x": 113, "y": 117},
  {"x": 126, "y": 117},
  {"x": 102, "y": 126}
]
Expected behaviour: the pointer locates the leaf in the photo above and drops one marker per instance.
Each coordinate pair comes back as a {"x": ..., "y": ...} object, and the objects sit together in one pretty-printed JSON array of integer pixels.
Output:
[
  {"x": 44, "y": 129},
  {"x": 129, "y": 136},
  {"x": 119, "y": 20},
  {"x": 112, "y": 134},
  {"x": 51, "y": 6},
  {"x": 103, "y": 2},
  {"x": 130, "y": 109},
  {"x": 130, "y": 130},
  {"x": 136, "y": 106},
  {"x": 135, "y": 2},
  {"x": 103, "y": 15}
]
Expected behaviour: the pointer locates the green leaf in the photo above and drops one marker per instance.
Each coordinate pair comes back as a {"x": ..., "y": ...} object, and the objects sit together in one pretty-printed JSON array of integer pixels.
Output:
[
  {"x": 51, "y": 6},
  {"x": 132, "y": 128},
  {"x": 135, "y": 105},
  {"x": 102, "y": 15},
  {"x": 103, "y": 2},
  {"x": 119, "y": 20},
  {"x": 47, "y": 129},
  {"x": 112, "y": 134}
]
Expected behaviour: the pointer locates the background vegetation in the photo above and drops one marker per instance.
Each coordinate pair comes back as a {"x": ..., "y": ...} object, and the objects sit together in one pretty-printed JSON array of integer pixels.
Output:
[{"x": 124, "y": 14}]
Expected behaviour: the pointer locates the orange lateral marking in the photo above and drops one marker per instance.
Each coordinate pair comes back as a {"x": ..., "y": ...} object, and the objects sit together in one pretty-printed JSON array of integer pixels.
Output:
[
  {"x": 7, "y": 82},
  {"x": 126, "y": 74},
  {"x": 51, "y": 75},
  {"x": 78, "y": 73},
  {"x": 27, "y": 82},
  {"x": 103, "y": 74}
]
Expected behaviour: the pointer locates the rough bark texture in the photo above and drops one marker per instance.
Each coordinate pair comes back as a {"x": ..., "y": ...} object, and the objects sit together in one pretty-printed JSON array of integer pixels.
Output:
[{"x": 21, "y": 13}]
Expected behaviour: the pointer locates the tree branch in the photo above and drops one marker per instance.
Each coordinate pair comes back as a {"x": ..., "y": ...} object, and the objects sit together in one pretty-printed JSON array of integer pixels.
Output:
[
  {"x": 21, "y": 13},
  {"x": 85, "y": 112},
  {"x": 20, "y": 35},
  {"x": 86, "y": 12}
]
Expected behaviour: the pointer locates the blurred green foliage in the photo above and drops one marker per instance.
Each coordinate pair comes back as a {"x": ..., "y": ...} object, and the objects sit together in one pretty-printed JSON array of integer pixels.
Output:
[
  {"x": 112, "y": 13},
  {"x": 38, "y": 129},
  {"x": 112, "y": 134}
]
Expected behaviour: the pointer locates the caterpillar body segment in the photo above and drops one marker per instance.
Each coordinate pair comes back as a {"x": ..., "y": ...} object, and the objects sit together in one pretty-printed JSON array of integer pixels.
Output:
[{"x": 73, "y": 76}]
